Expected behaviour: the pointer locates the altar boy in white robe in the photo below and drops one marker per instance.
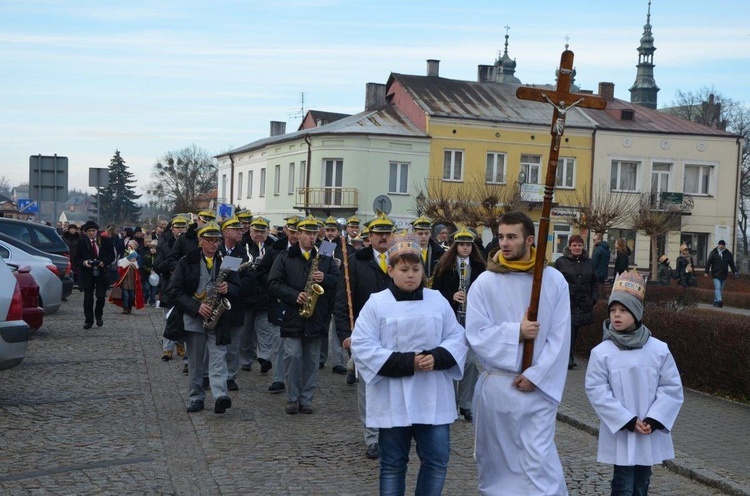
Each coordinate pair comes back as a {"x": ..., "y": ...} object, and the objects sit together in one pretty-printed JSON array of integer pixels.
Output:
[
  {"x": 634, "y": 386},
  {"x": 408, "y": 348}
]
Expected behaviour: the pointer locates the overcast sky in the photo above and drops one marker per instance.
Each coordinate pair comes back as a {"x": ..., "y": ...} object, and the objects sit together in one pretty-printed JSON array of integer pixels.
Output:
[{"x": 84, "y": 78}]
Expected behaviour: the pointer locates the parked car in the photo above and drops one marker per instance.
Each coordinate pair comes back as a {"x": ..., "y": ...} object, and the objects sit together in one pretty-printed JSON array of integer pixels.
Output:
[
  {"x": 60, "y": 261},
  {"x": 33, "y": 313},
  {"x": 44, "y": 272},
  {"x": 14, "y": 332}
]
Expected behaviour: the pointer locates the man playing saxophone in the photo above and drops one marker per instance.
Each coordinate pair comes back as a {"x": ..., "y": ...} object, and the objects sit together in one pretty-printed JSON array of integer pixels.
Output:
[
  {"x": 190, "y": 287},
  {"x": 304, "y": 324}
]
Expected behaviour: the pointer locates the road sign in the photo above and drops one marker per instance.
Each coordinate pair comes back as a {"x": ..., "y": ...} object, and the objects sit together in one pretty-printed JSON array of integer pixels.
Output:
[
  {"x": 48, "y": 178},
  {"x": 226, "y": 210},
  {"x": 28, "y": 206},
  {"x": 98, "y": 177}
]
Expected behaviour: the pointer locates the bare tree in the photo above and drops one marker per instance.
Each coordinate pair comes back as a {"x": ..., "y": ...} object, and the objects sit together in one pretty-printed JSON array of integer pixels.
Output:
[
  {"x": 655, "y": 218},
  {"x": 4, "y": 186},
  {"x": 602, "y": 209},
  {"x": 181, "y": 177}
]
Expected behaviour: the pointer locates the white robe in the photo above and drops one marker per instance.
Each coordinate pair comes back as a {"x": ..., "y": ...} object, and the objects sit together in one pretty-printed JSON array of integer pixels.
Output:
[
  {"x": 384, "y": 326},
  {"x": 622, "y": 384},
  {"x": 515, "y": 446}
]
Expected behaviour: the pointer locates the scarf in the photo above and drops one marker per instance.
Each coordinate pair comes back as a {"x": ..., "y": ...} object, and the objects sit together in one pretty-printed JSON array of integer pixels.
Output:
[
  {"x": 402, "y": 295},
  {"x": 497, "y": 263},
  {"x": 632, "y": 340}
]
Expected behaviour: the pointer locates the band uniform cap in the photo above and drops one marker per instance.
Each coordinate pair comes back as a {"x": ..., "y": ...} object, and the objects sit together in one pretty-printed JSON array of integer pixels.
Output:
[
  {"x": 244, "y": 215},
  {"x": 231, "y": 223},
  {"x": 357, "y": 240},
  {"x": 210, "y": 230},
  {"x": 381, "y": 223},
  {"x": 260, "y": 224},
  {"x": 421, "y": 223},
  {"x": 352, "y": 221},
  {"x": 310, "y": 224},
  {"x": 403, "y": 243},
  {"x": 365, "y": 233},
  {"x": 90, "y": 224},
  {"x": 331, "y": 222},
  {"x": 179, "y": 221},
  {"x": 629, "y": 289},
  {"x": 207, "y": 214},
  {"x": 463, "y": 235},
  {"x": 291, "y": 222}
]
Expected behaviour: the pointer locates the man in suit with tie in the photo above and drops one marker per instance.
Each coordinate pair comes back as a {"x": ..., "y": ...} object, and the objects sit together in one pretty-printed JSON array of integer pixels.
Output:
[{"x": 93, "y": 254}]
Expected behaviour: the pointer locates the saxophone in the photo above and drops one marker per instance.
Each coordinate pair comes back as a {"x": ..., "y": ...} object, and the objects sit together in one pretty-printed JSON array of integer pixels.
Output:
[
  {"x": 219, "y": 304},
  {"x": 312, "y": 290},
  {"x": 461, "y": 312}
]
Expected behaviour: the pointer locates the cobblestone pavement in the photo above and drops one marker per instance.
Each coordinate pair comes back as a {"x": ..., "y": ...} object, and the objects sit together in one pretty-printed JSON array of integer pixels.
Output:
[{"x": 97, "y": 412}]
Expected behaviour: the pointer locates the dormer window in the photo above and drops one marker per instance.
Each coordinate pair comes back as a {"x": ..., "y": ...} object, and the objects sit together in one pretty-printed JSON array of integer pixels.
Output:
[{"x": 627, "y": 115}]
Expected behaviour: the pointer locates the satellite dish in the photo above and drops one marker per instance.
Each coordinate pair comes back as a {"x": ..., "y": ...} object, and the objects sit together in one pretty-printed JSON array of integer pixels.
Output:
[{"x": 382, "y": 203}]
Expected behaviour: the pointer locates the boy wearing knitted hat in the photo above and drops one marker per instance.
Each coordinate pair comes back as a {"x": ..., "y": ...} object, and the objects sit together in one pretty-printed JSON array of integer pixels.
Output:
[{"x": 634, "y": 386}]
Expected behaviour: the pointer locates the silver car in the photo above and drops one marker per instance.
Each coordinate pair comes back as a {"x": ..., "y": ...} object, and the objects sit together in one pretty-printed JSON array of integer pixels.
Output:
[
  {"x": 50, "y": 285},
  {"x": 14, "y": 332}
]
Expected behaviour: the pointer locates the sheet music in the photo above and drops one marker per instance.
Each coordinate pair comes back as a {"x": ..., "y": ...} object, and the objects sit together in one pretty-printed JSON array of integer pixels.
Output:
[{"x": 230, "y": 263}]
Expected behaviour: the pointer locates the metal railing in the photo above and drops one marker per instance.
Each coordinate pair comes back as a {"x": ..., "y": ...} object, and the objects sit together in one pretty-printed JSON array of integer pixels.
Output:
[{"x": 327, "y": 198}]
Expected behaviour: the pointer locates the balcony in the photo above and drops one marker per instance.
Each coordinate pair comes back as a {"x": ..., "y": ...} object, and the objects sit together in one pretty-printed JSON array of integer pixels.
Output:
[
  {"x": 327, "y": 199},
  {"x": 667, "y": 200}
]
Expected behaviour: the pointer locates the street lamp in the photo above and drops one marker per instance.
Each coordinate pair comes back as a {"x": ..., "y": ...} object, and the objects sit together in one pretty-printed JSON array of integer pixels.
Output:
[{"x": 420, "y": 203}]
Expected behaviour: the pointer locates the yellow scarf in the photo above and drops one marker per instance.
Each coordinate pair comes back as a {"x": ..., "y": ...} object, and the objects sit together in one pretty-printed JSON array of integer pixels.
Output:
[{"x": 516, "y": 265}]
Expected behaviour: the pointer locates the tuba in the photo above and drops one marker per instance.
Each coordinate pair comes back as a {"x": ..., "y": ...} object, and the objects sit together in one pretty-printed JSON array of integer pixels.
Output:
[{"x": 312, "y": 290}]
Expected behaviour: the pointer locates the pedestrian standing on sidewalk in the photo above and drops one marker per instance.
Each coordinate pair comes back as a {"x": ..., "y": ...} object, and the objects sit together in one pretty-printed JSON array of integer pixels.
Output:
[
  {"x": 685, "y": 271},
  {"x": 600, "y": 257},
  {"x": 633, "y": 384},
  {"x": 622, "y": 256},
  {"x": 409, "y": 348},
  {"x": 719, "y": 261}
]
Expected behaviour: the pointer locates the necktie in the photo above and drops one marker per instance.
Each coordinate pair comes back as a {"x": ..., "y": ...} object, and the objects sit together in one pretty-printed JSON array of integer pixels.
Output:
[
  {"x": 94, "y": 248},
  {"x": 383, "y": 265},
  {"x": 424, "y": 255},
  {"x": 210, "y": 263},
  {"x": 306, "y": 254}
]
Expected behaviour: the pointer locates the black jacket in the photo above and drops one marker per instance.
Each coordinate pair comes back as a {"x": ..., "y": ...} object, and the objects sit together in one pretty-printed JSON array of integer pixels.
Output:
[
  {"x": 274, "y": 307},
  {"x": 259, "y": 297},
  {"x": 622, "y": 261},
  {"x": 184, "y": 283},
  {"x": 84, "y": 251},
  {"x": 365, "y": 278},
  {"x": 288, "y": 278},
  {"x": 718, "y": 265},
  {"x": 184, "y": 244},
  {"x": 434, "y": 252},
  {"x": 248, "y": 279},
  {"x": 583, "y": 285},
  {"x": 685, "y": 278},
  {"x": 161, "y": 265},
  {"x": 447, "y": 282}
]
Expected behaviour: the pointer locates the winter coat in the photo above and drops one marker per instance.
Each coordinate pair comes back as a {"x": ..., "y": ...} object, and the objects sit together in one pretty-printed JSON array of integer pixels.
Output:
[
  {"x": 275, "y": 309},
  {"x": 183, "y": 285},
  {"x": 184, "y": 244},
  {"x": 718, "y": 264},
  {"x": 664, "y": 274},
  {"x": 288, "y": 278},
  {"x": 161, "y": 265},
  {"x": 365, "y": 278},
  {"x": 248, "y": 280},
  {"x": 447, "y": 282},
  {"x": 583, "y": 284},
  {"x": 84, "y": 251},
  {"x": 71, "y": 240},
  {"x": 622, "y": 261},
  {"x": 600, "y": 258},
  {"x": 685, "y": 278},
  {"x": 259, "y": 297},
  {"x": 434, "y": 252}
]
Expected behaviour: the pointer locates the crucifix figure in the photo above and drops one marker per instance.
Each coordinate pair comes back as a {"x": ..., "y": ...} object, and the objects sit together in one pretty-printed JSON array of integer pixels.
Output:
[{"x": 561, "y": 100}]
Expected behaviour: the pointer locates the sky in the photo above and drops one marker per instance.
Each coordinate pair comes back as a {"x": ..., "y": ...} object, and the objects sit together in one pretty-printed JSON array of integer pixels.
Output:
[{"x": 82, "y": 79}]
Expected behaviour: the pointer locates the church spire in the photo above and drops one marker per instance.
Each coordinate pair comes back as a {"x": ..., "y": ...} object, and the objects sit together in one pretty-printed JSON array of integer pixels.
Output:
[
  {"x": 505, "y": 67},
  {"x": 644, "y": 90}
]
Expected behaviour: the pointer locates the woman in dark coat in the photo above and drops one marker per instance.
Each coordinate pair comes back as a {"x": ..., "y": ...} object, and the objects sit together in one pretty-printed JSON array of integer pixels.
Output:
[
  {"x": 685, "y": 275},
  {"x": 583, "y": 284},
  {"x": 622, "y": 256}
]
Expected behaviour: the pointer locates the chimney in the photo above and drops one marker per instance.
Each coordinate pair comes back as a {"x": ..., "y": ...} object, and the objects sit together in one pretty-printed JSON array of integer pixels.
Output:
[
  {"x": 485, "y": 73},
  {"x": 433, "y": 68},
  {"x": 607, "y": 91},
  {"x": 374, "y": 96},
  {"x": 278, "y": 128}
]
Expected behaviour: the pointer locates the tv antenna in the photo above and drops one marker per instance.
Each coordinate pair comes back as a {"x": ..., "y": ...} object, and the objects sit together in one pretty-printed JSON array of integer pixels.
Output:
[{"x": 299, "y": 114}]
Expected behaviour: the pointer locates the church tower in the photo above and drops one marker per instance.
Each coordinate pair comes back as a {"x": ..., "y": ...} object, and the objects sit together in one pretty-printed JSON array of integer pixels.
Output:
[
  {"x": 505, "y": 67},
  {"x": 644, "y": 90}
]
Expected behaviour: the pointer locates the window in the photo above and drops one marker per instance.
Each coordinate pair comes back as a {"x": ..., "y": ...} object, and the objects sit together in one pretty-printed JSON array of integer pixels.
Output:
[
  {"x": 453, "y": 162},
  {"x": 495, "y": 173},
  {"x": 565, "y": 176},
  {"x": 698, "y": 179},
  {"x": 223, "y": 186},
  {"x": 697, "y": 243},
  {"x": 398, "y": 177},
  {"x": 262, "y": 183},
  {"x": 250, "y": 184},
  {"x": 277, "y": 179},
  {"x": 290, "y": 186},
  {"x": 303, "y": 173},
  {"x": 530, "y": 165},
  {"x": 333, "y": 180},
  {"x": 239, "y": 185},
  {"x": 624, "y": 175}
]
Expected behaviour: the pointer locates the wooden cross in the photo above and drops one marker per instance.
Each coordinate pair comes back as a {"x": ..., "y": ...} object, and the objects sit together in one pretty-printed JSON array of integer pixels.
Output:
[{"x": 562, "y": 100}]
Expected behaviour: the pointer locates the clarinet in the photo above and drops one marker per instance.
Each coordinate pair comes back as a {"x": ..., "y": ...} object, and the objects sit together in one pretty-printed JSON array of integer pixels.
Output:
[{"x": 461, "y": 312}]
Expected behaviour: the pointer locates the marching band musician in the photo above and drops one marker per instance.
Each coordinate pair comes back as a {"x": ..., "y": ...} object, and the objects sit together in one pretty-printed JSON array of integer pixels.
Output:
[
  {"x": 462, "y": 262},
  {"x": 332, "y": 344},
  {"x": 248, "y": 337},
  {"x": 430, "y": 249},
  {"x": 266, "y": 334},
  {"x": 175, "y": 228},
  {"x": 192, "y": 282},
  {"x": 352, "y": 229},
  {"x": 290, "y": 279}
]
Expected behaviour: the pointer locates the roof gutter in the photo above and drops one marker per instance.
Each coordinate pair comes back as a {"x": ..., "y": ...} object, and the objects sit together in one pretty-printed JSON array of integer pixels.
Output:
[
  {"x": 738, "y": 192},
  {"x": 231, "y": 179}
]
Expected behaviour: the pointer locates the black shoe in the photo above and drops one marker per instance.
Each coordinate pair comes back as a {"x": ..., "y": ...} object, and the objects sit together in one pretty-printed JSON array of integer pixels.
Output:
[
  {"x": 276, "y": 387},
  {"x": 339, "y": 369},
  {"x": 222, "y": 403},
  {"x": 185, "y": 368},
  {"x": 205, "y": 384},
  {"x": 351, "y": 377},
  {"x": 373, "y": 451},
  {"x": 265, "y": 366},
  {"x": 717, "y": 304},
  {"x": 306, "y": 409},
  {"x": 232, "y": 386},
  {"x": 87, "y": 325},
  {"x": 195, "y": 406},
  {"x": 466, "y": 413},
  {"x": 291, "y": 407},
  {"x": 99, "y": 322},
  {"x": 572, "y": 365},
  {"x": 721, "y": 304},
  {"x": 246, "y": 367}
]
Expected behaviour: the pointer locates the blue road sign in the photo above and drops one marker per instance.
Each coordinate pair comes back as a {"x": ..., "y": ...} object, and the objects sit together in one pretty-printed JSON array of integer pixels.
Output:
[
  {"x": 226, "y": 210},
  {"x": 28, "y": 206}
]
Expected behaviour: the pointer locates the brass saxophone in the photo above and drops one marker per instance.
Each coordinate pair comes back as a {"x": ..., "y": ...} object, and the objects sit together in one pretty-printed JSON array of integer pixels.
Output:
[
  {"x": 312, "y": 290},
  {"x": 461, "y": 312},
  {"x": 218, "y": 304}
]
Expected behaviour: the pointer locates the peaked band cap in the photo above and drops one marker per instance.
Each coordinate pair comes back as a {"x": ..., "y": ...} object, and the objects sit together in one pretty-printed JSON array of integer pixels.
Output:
[
  {"x": 463, "y": 235},
  {"x": 352, "y": 221},
  {"x": 331, "y": 222},
  {"x": 291, "y": 222},
  {"x": 365, "y": 233},
  {"x": 629, "y": 289},
  {"x": 210, "y": 230},
  {"x": 207, "y": 214},
  {"x": 403, "y": 243},
  {"x": 422, "y": 223},
  {"x": 244, "y": 215},
  {"x": 310, "y": 224},
  {"x": 260, "y": 224},
  {"x": 179, "y": 221},
  {"x": 381, "y": 223},
  {"x": 231, "y": 223}
]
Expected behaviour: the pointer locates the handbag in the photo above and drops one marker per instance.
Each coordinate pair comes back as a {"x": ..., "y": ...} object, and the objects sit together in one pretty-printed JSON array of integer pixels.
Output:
[{"x": 116, "y": 293}]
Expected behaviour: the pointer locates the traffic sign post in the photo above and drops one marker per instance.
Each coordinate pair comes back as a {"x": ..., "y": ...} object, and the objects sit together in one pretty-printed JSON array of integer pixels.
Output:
[
  {"x": 225, "y": 210},
  {"x": 48, "y": 179},
  {"x": 98, "y": 178},
  {"x": 28, "y": 206}
]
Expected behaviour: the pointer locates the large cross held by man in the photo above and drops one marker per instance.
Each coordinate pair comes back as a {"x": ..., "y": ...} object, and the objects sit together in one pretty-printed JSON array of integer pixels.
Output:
[{"x": 561, "y": 100}]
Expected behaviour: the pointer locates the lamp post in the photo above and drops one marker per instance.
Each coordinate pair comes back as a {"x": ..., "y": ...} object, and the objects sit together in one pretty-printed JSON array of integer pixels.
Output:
[{"x": 420, "y": 203}]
